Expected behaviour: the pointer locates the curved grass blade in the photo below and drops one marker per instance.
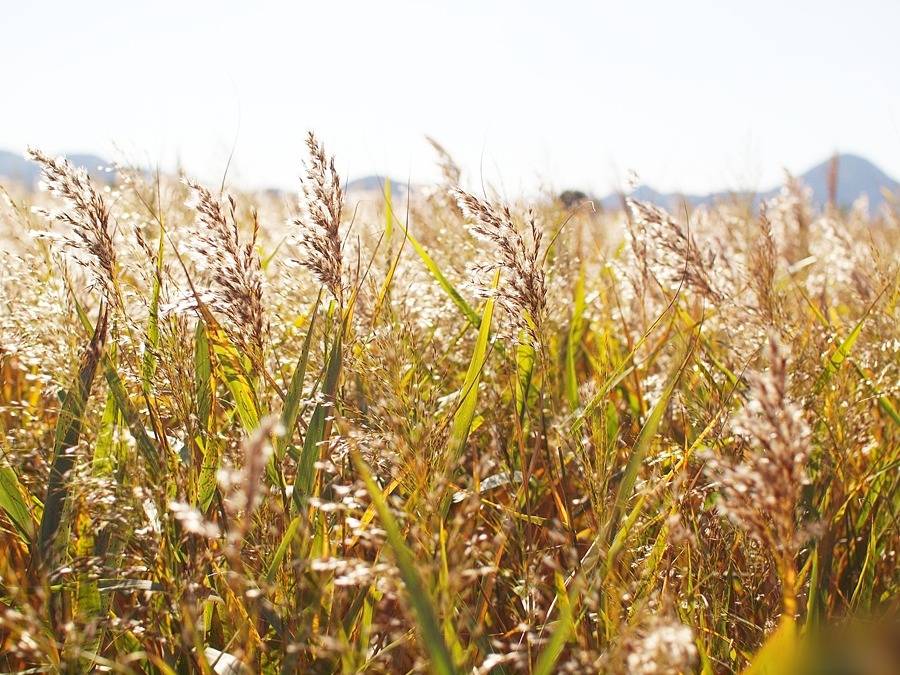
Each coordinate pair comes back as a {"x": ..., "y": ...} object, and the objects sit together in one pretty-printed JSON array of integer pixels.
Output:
[
  {"x": 131, "y": 417},
  {"x": 639, "y": 451},
  {"x": 123, "y": 401},
  {"x": 280, "y": 552},
  {"x": 291, "y": 408},
  {"x": 573, "y": 341},
  {"x": 462, "y": 421},
  {"x": 68, "y": 431},
  {"x": 431, "y": 632},
  {"x": 525, "y": 356},
  {"x": 14, "y": 503},
  {"x": 319, "y": 425},
  {"x": 444, "y": 283},
  {"x": 563, "y": 633},
  {"x": 151, "y": 343},
  {"x": 205, "y": 397}
]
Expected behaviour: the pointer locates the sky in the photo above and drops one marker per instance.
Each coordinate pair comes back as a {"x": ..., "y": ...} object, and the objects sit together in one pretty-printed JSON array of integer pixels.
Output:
[{"x": 690, "y": 95}]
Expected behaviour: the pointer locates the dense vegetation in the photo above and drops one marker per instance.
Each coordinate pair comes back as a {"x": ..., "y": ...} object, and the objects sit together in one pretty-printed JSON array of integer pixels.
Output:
[{"x": 450, "y": 436}]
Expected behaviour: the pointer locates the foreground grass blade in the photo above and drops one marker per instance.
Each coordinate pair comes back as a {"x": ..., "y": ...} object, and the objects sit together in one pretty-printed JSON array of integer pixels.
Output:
[
  {"x": 444, "y": 283},
  {"x": 462, "y": 421},
  {"x": 205, "y": 395},
  {"x": 280, "y": 552},
  {"x": 525, "y": 356},
  {"x": 317, "y": 432},
  {"x": 68, "y": 431},
  {"x": 132, "y": 419},
  {"x": 778, "y": 656},
  {"x": 430, "y": 627},
  {"x": 562, "y": 633},
  {"x": 639, "y": 451},
  {"x": 230, "y": 368},
  {"x": 151, "y": 344},
  {"x": 123, "y": 401},
  {"x": 295, "y": 390},
  {"x": 573, "y": 341},
  {"x": 14, "y": 503}
]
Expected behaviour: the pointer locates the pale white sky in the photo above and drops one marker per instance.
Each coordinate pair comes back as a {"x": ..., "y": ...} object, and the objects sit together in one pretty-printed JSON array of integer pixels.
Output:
[{"x": 692, "y": 95}]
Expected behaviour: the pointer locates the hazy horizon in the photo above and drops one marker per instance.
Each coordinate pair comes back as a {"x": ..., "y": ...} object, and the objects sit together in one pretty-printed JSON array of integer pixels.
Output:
[{"x": 702, "y": 98}]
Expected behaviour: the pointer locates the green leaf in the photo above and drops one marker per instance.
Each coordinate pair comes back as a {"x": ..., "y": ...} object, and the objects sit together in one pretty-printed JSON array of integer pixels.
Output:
[
  {"x": 102, "y": 461},
  {"x": 202, "y": 375},
  {"x": 291, "y": 408},
  {"x": 286, "y": 540},
  {"x": 132, "y": 419},
  {"x": 779, "y": 653},
  {"x": 148, "y": 365},
  {"x": 317, "y": 432},
  {"x": 563, "y": 633},
  {"x": 462, "y": 421},
  {"x": 14, "y": 503},
  {"x": 639, "y": 450},
  {"x": 123, "y": 402},
  {"x": 68, "y": 431},
  {"x": 230, "y": 368},
  {"x": 573, "y": 341},
  {"x": 203, "y": 385},
  {"x": 427, "y": 620},
  {"x": 435, "y": 271},
  {"x": 525, "y": 356}
]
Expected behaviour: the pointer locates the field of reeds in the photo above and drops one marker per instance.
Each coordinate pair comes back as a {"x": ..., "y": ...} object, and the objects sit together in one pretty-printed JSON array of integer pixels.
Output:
[{"x": 444, "y": 433}]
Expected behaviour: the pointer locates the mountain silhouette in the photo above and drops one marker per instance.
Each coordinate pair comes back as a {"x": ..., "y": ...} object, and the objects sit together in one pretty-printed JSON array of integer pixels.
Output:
[
  {"x": 375, "y": 184},
  {"x": 856, "y": 176},
  {"x": 18, "y": 169}
]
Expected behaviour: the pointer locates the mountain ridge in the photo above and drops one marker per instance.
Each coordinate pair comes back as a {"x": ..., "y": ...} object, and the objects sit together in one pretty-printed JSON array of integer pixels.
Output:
[
  {"x": 15, "y": 167},
  {"x": 856, "y": 176}
]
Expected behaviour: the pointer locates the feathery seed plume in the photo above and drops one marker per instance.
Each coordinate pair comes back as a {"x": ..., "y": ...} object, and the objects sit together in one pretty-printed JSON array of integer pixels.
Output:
[
  {"x": 523, "y": 290},
  {"x": 235, "y": 267},
  {"x": 321, "y": 202},
  {"x": 87, "y": 215}
]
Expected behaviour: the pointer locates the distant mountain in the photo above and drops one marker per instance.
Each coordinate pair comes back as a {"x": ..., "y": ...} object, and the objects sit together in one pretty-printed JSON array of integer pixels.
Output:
[
  {"x": 856, "y": 176},
  {"x": 16, "y": 168},
  {"x": 375, "y": 184}
]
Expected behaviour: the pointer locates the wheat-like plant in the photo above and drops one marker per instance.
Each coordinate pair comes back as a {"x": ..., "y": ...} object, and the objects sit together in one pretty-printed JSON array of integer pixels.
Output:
[{"x": 684, "y": 460}]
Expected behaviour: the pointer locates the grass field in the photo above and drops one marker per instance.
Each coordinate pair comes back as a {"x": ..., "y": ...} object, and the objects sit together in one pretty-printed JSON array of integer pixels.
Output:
[{"x": 445, "y": 434}]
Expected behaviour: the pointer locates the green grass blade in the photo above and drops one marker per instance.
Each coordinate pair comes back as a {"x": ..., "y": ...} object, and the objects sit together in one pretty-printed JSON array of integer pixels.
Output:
[
  {"x": 428, "y": 623},
  {"x": 280, "y": 552},
  {"x": 14, "y": 501},
  {"x": 68, "y": 431},
  {"x": 462, "y": 421},
  {"x": 639, "y": 451},
  {"x": 317, "y": 432},
  {"x": 202, "y": 375},
  {"x": 573, "y": 341},
  {"x": 525, "y": 356},
  {"x": 291, "y": 408},
  {"x": 228, "y": 365},
  {"x": 444, "y": 283},
  {"x": 148, "y": 363},
  {"x": 563, "y": 633},
  {"x": 130, "y": 414},
  {"x": 204, "y": 395}
]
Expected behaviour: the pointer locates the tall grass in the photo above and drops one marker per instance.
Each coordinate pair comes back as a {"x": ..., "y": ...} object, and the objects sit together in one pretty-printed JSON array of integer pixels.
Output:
[{"x": 247, "y": 434}]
